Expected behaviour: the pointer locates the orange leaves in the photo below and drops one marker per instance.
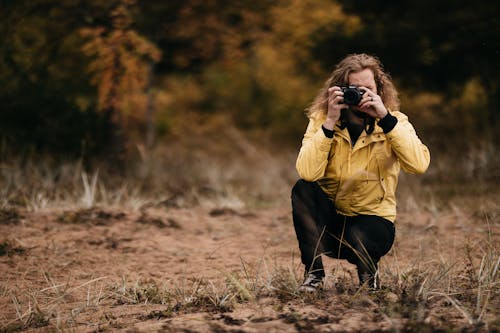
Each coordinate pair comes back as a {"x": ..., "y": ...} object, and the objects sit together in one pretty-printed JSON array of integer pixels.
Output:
[{"x": 120, "y": 67}]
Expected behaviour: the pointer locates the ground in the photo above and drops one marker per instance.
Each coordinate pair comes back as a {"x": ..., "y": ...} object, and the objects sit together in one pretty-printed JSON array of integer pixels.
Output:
[{"x": 164, "y": 268}]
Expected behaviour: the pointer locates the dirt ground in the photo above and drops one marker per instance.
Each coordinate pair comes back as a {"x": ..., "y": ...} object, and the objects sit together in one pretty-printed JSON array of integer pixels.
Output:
[{"x": 171, "y": 269}]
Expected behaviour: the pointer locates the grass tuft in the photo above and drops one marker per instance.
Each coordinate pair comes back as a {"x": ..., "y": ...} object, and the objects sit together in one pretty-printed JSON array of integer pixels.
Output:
[{"x": 8, "y": 248}]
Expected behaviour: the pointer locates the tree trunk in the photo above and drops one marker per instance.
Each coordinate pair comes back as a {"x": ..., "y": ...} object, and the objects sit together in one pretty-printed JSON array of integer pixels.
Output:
[{"x": 150, "y": 128}]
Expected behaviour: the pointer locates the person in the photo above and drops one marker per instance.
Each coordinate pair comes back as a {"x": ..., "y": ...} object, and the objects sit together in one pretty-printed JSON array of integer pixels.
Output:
[{"x": 344, "y": 204}]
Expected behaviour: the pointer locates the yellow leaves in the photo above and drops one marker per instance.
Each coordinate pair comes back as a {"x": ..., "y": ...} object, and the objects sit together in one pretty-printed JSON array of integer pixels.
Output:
[
  {"x": 473, "y": 94},
  {"x": 213, "y": 30},
  {"x": 277, "y": 72},
  {"x": 300, "y": 19},
  {"x": 121, "y": 61},
  {"x": 425, "y": 106},
  {"x": 470, "y": 106},
  {"x": 142, "y": 46},
  {"x": 121, "y": 68},
  {"x": 298, "y": 25},
  {"x": 259, "y": 55}
]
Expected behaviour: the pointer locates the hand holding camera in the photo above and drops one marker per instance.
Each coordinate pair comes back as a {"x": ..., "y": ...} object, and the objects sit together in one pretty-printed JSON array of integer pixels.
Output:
[
  {"x": 352, "y": 95},
  {"x": 364, "y": 100},
  {"x": 335, "y": 105},
  {"x": 361, "y": 100}
]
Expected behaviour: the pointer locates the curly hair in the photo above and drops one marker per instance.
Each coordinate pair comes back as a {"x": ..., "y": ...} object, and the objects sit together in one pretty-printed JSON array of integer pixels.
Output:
[{"x": 354, "y": 63}]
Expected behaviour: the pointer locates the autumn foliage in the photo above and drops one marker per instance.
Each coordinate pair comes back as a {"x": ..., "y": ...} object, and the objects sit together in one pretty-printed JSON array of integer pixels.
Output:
[{"x": 77, "y": 76}]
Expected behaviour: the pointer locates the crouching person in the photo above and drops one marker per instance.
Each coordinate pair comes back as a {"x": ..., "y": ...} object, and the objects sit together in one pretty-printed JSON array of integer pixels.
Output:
[{"x": 344, "y": 205}]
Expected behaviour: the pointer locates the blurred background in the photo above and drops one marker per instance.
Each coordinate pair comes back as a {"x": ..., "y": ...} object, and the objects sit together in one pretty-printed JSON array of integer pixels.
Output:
[{"x": 195, "y": 101}]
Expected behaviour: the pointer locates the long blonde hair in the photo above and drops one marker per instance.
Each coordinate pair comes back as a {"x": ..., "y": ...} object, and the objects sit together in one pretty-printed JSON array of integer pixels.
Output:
[{"x": 354, "y": 63}]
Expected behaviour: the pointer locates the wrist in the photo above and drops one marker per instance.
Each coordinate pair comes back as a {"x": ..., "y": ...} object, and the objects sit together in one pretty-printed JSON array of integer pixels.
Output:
[
  {"x": 328, "y": 133},
  {"x": 383, "y": 114},
  {"x": 329, "y": 123},
  {"x": 388, "y": 122}
]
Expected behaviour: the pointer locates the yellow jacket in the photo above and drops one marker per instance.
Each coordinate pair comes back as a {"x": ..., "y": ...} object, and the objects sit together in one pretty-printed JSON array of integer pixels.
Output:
[{"x": 361, "y": 179}]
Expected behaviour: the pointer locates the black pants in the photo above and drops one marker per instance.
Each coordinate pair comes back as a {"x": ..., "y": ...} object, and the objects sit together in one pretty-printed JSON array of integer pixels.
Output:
[{"x": 361, "y": 239}]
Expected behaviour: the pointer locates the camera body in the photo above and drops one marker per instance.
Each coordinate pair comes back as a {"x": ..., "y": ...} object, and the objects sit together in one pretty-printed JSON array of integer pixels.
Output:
[{"x": 352, "y": 95}]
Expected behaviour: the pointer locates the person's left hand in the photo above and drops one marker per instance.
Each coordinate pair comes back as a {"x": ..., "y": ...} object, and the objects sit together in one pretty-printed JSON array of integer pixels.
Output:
[{"x": 372, "y": 104}]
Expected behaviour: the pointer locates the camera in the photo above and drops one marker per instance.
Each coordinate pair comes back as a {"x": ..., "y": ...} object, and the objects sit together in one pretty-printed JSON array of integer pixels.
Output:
[{"x": 352, "y": 95}]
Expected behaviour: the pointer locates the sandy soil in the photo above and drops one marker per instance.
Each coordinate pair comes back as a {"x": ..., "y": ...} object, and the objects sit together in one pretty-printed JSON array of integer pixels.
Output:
[{"x": 106, "y": 269}]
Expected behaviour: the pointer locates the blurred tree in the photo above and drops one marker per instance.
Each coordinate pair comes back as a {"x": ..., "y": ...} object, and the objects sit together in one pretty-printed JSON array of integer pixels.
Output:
[
  {"x": 285, "y": 67},
  {"x": 120, "y": 68},
  {"x": 44, "y": 82},
  {"x": 44, "y": 92},
  {"x": 260, "y": 62},
  {"x": 436, "y": 45},
  {"x": 251, "y": 60}
]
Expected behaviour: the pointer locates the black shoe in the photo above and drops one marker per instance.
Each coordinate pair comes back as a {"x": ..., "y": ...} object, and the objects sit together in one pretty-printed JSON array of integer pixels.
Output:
[
  {"x": 311, "y": 283},
  {"x": 370, "y": 279}
]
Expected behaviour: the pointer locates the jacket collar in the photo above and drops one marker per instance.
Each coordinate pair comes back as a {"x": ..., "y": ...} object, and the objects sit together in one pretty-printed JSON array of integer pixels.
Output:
[
  {"x": 377, "y": 134},
  {"x": 364, "y": 139}
]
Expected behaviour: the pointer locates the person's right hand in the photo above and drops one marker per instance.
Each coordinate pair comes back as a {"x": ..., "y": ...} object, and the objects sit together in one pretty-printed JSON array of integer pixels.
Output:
[{"x": 335, "y": 104}]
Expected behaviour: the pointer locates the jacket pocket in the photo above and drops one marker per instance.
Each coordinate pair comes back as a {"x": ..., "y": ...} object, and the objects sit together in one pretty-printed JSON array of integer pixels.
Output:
[
  {"x": 381, "y": 175},
  {"x": 369, "y": 191}
]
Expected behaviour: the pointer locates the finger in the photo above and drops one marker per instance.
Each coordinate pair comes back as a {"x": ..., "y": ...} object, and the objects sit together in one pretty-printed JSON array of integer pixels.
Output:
[
  {"x": 336, "y": 96},
  {"x": 367, "y": 110},
  {"x": 368, "y": 99},
  {"x": 335, "y": 93},
  {"x": 336, "y": 103},
  {"x": 367, "y": 104},
  {"x": 367, "y": 91}
]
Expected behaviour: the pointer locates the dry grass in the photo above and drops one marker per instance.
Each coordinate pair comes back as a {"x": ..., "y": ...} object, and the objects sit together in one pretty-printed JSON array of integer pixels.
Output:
[
  {"x": 427, "y": 295},
  {"x": 441, "y": 275},
  {"x": 201, "y": 171}
]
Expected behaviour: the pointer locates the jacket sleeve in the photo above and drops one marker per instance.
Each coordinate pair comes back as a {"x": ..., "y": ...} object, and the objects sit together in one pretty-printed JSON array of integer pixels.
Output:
[
  {"x": 314, "y": 152},
  {"x": 413, "y": 155}
]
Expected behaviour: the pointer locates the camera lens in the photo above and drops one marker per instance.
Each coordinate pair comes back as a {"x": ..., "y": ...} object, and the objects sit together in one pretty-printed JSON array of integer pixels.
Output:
[{"x": 352, "y": 96}]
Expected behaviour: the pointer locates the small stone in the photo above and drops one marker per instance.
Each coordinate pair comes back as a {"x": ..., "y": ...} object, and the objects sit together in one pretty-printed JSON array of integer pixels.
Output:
[{"x": 391, "y": 297}]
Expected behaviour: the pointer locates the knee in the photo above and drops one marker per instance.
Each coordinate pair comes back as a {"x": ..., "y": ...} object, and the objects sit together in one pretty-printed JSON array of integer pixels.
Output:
[{"x": 357, "y": 237}]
